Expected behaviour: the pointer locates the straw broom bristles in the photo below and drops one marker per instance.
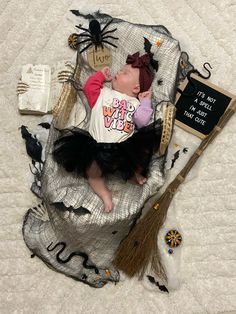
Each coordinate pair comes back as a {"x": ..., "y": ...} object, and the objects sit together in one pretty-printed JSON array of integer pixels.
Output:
[{"x": 140, "y": 247}]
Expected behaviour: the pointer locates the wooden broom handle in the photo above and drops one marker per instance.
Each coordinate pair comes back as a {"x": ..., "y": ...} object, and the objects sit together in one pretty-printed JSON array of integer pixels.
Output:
[
  {"x": 173, "y": 186},
  {"x": 208, "y": 139}
]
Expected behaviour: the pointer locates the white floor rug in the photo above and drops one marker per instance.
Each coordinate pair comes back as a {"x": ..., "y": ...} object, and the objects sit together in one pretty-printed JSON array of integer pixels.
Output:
[{"x": 204, "y": 208}]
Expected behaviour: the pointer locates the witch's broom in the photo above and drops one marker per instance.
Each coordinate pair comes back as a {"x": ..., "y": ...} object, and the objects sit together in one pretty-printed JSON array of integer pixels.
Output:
[{"x": 140, "y": 247}]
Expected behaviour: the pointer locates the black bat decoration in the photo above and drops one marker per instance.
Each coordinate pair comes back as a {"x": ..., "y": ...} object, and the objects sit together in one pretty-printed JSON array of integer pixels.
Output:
[
  {"x": 77, "y": 13},
  {"x": 147, "y": 45},
  {"x": 147, "y": 48},
  {"x": 161, "y": 287},
  {"x": 185, "y": 150},
  {"x": 45, "y": 125},
  {"x": 96, "y": 14},
  {"x": 176, "y": 156}
]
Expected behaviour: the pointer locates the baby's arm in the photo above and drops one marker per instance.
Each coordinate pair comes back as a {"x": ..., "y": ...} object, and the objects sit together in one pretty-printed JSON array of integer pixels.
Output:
[
  {"x": 144, "y": 112},
  {"x": 94, "y": 85}
]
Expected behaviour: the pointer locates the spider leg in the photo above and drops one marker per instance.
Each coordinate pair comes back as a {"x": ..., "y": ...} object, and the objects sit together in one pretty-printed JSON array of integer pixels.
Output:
[
  {"x": 82, "y": 28},
  {"x": 111, "y": 31},
  {"x": 86, "y": 47},
  {"x": 110, "y": 37},
  {"x": 84, "y": 35},
  {"x": 108, "y": 23},
  {"x": 105, "y": 41},
  {"x": 84, "y": 41}
]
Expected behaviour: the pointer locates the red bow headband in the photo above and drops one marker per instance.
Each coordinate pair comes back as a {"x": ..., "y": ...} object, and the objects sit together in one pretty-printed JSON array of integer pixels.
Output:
[{"x": 145, "y": 73}]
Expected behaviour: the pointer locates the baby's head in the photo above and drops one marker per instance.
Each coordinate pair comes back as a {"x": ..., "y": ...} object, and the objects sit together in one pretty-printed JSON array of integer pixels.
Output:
[{"x": 135, "y": 77}]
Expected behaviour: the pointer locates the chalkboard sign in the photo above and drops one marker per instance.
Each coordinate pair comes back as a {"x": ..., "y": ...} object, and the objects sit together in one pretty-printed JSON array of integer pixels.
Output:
[{"x": 201, "y": 111}]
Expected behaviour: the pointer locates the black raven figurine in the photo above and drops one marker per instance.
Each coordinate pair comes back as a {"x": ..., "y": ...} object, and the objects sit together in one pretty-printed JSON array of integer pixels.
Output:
[{"x": 33, "y": 146}]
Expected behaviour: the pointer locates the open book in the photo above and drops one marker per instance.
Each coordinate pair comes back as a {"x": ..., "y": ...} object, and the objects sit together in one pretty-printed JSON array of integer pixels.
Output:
[{"x": 40, "y": 86}]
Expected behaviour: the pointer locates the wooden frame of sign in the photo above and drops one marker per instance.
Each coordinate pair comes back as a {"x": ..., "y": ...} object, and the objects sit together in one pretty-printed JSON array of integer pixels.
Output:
[{"x": 199, "y": 113}]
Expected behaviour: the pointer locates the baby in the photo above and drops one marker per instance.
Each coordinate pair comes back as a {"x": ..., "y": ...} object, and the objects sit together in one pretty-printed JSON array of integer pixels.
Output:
[{"x": 111, "y": 144}]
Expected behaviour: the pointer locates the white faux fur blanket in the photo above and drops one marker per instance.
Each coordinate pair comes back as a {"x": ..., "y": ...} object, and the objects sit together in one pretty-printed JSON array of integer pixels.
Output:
[{"x": 204, "y": 209}]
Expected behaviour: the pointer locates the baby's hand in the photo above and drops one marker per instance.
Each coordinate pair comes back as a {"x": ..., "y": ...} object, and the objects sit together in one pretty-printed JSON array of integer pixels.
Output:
[
  {"x": 145, "y": 95},
  {"x": 107, "y": 73}
]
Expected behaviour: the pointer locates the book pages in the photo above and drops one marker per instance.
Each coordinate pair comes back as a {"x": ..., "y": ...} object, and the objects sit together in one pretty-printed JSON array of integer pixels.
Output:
[
  {"x": 35, "y": 98},
  {"x": 40, "y": 86}
]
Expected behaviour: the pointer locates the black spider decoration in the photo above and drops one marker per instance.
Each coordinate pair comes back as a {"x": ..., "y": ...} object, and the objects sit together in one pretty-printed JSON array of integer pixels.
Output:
[{"x": 94, "y": 36}]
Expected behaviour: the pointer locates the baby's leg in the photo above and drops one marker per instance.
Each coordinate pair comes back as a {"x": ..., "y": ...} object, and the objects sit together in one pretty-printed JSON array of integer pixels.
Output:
[
  {"x": 97, "y": 183},
  {"x": 138, "y": 177}
]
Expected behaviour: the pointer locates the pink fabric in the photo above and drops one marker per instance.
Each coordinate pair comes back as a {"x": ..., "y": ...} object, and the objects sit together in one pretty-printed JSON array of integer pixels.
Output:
[
  {"x": 93, "y": 87},
  {"x": 92, "y": 90}
]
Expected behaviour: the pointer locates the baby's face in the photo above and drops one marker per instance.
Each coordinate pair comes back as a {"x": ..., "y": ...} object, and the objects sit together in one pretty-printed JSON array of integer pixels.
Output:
[{"x": 126, "y": 81}]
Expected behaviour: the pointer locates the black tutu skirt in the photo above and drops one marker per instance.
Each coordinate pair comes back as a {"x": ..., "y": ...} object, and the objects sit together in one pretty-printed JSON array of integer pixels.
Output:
[{"x": 75, "y": 150}]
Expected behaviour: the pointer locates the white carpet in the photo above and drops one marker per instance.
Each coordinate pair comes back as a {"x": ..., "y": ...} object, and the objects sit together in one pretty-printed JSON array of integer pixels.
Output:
[{"x": 204, "y": 208}]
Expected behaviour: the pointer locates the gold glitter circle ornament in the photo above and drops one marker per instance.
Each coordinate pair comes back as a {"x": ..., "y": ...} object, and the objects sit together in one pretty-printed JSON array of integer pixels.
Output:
[
  {"x": 73, "y": 41},
  {"x": 173, "y": 238}
]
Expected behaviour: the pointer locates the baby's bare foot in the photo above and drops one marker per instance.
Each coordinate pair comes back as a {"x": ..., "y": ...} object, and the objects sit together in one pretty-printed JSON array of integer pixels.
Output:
[
  {"x": 107, "y": 200},
  {"x": 140, "y": 179}
]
